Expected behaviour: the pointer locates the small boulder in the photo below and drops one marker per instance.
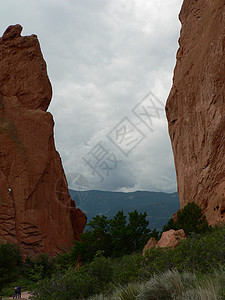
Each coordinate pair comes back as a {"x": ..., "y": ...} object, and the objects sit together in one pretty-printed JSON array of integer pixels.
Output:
[{"x": 169, "y": 238}]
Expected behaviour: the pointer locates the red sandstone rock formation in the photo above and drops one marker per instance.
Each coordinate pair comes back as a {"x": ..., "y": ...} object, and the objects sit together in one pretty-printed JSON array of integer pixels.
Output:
[
  {"x": 196, "y": 108},
  {"x": 150, "y": 244},
  {"x": 170, "y": 238},
  {"x": 36, "y": 210}
]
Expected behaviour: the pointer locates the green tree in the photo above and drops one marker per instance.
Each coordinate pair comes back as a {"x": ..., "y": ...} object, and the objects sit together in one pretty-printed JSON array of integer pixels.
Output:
[
  {"x": 131, "y": 236},
  {"x": 190, "y": 219},
  {"x": 98, "y": 237},
  {"x": 119, "y": 234},
  {"x": 10, "y": 261},
  {"x": 115, "y": 237},
  {"x": 155, "y": 234},
  {"x": 100, "y": 225},
  {"x": 138, "y": 230}
]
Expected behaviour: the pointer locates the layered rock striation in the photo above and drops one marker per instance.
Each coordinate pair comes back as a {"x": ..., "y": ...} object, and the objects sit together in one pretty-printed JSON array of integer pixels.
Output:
[
  {"x": 196, "y": 108},
  {"x": 36, "y": 210}
]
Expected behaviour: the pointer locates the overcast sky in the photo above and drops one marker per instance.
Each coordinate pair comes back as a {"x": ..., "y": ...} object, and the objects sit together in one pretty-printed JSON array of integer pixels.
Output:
[{"x": 111, "y": 64}]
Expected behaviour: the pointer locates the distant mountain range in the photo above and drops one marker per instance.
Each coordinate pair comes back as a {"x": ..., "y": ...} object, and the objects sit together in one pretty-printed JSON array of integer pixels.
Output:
[{"x": 159, "y": 206}]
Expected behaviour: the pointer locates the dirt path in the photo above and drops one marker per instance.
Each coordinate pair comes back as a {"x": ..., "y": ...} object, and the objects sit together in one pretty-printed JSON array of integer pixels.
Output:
[{"x": 24, "y": 296}]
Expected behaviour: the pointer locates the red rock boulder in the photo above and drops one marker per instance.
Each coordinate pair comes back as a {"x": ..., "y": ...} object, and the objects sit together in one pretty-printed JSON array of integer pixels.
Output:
[
  {"x": 36, "y": 210},
  {"x": 170, "y": 238}
]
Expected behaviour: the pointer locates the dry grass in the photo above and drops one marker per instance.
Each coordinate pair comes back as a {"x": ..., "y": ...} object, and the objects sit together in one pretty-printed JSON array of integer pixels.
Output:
[{"x": 172, "y": 285}]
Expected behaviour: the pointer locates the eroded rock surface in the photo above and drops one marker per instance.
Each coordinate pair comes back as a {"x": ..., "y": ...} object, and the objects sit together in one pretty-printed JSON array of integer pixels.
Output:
[
  {"x": 196, "y": 108},
  {"x": 36, "y": 210}
]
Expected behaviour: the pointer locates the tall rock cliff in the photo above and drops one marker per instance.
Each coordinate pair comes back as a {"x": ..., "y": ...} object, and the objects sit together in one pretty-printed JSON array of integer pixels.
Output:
[
  {"x": 196, "y": 108},
  {"x": 36, "y": 210}
]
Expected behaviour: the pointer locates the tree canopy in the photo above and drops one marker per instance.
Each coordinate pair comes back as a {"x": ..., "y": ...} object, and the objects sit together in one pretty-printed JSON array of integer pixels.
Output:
[
  {"x": 115, "y": 237},
  {"x": 190, "y": 219}
]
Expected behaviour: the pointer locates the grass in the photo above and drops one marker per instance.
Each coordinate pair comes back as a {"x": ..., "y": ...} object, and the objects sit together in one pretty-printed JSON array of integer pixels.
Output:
[{"x": 172, "y": 285}]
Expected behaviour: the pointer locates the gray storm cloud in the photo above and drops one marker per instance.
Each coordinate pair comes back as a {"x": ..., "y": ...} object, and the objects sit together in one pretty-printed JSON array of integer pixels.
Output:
[{"x": 103, "y": 57}]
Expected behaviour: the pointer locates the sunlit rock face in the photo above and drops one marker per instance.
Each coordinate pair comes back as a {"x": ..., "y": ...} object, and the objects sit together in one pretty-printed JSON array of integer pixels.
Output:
[
  {"x": 36, "y": 210},
  {"x": 196, "y": 108}
]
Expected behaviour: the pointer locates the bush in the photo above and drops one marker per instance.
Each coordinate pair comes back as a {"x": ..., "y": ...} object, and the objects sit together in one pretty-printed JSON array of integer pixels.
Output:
[
  {"x": 75, "y": 284},
  {"x": 38, "y": 268},
  {"x": 101, "y": 268},
  {"x": 10, "y": 261},
  {"x": 199, "y": 253},
  {"x": 71, "y": 285},
  {"x": 128, "y": 268}
]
